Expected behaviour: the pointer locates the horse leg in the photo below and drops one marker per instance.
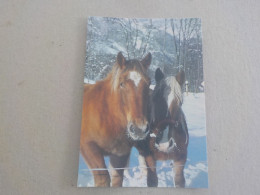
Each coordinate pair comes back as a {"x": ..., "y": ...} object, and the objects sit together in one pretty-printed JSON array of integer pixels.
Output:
[
  {"x": 152, "y": 179},
  {"x": 142, "y": 165},
  {"x": 117, "y": 175},
  {"x": 145, "y": 155},
  {"x": 179, "y": 175},
  {"x": 95, "y": 160}
]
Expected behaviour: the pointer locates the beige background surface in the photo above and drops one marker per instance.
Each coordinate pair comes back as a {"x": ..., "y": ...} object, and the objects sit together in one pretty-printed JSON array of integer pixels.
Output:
[{"x": 42, "y": 53}]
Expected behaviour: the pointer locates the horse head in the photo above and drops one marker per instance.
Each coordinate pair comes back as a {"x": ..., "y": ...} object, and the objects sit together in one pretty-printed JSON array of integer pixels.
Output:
[
  {"x": 131, "y": 84},
  {"x": 166, "y": 112}
]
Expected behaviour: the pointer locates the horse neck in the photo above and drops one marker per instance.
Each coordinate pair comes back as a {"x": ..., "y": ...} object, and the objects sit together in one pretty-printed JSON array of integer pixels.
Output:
[
  {"x": 181, "y": 129},
  {"x": 175, "y": 111}
]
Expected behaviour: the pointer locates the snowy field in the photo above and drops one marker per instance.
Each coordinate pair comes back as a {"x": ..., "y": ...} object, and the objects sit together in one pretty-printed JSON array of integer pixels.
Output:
[{"x": 196, "y": 168}]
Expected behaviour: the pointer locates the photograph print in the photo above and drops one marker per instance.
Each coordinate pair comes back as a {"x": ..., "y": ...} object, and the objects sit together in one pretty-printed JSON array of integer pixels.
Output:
[{"x": 143, "y": 112}]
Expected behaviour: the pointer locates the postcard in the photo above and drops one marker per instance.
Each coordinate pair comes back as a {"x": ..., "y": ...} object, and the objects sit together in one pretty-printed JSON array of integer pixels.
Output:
[{"x": 143, "y": 112}]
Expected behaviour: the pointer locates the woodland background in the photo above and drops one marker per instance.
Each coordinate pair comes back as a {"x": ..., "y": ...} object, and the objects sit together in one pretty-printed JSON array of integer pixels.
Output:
[{"x": 175, "y": 44}]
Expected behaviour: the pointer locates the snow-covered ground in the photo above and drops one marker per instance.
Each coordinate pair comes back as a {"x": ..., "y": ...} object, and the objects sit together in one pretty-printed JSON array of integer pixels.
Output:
[
  {"x": 88, "y": 81},
  {"x": 196, "y": 168}
]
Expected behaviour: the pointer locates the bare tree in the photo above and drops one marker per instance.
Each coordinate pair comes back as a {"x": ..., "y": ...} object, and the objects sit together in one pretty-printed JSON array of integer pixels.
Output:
[{"x": 146, "y": 39}]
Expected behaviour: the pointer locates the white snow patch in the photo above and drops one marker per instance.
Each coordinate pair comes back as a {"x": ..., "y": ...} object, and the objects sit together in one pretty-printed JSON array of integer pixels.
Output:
[
  {"x": 138, "y": 178},
  {"x": 194, "y": 110},
  {"x": 110, "y": 47},
  {"x": 138, "y": 44},
  {"x": 119, "y": 47},
  {"x": 192, "y": 172},
  {"x": 203, "y": 83},
  {"x": 89, "y": 81}
]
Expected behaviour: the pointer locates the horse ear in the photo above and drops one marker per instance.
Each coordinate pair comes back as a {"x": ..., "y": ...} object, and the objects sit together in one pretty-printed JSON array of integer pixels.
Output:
[
  {"x": 158, "y": 75},
  {"x": 180, "y": 77},
  {"x": 120, "y": 59},
  {"x": 147, "y": 60}
]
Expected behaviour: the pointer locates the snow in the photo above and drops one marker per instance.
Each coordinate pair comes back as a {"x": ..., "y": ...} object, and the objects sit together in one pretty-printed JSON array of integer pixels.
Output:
[
  {"x": 89, "y": 81},
  {"x": 203, "y": 83},
  {"x": 196, "y": 168},
  {"x": 136, "y": 37},
  {"x": 110, "y": 48},
  {"x": 118, "y": 47},
  {"x": 194, "y": 109},
  {"x": 138, "y": 44}
]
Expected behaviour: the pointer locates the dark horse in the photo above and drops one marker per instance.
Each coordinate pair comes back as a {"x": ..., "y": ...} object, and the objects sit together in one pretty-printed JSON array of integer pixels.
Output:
[
  {"x": 113, "y": 117},
  {"x": 169, "y": 136}
]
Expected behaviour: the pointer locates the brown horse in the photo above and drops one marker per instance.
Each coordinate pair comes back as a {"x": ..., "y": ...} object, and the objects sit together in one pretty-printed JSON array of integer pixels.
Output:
[
  {"x": 113, "y": 117},
  {"x": 169, "y": 136}
]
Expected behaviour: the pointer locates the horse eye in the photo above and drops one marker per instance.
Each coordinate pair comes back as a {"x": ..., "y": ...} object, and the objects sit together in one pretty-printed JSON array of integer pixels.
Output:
[{"x": 122, "y": 85}]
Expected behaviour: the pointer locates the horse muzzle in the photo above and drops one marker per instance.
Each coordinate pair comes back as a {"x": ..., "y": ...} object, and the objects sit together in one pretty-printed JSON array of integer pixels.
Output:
[
  {"x": 166, "y": 147},
  {"x": 138, "y": 132}
]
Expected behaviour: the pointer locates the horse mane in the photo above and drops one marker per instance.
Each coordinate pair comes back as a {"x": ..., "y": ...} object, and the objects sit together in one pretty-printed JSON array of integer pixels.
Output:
[
  {"x": 176, "y": 92},
  {"x": 114, "y": 77}
]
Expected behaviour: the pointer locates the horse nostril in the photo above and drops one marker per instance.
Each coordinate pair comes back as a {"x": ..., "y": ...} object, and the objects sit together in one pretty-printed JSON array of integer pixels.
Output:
[
  {"x": 132, "y": 129},
  {"x": 147, "y": 129},
  {"x": 170, "y": 143}
]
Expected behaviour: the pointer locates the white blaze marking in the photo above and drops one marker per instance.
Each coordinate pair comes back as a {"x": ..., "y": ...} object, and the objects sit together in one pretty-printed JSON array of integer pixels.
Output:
[
  {"x": 170, "y": 99},
  {"x": 135, "y": 76},
  {"x": 175, "y": 93}
]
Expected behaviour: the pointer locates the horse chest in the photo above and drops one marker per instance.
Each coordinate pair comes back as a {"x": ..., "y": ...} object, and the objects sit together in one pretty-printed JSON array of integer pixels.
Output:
[{"x": 118, "y": 146}]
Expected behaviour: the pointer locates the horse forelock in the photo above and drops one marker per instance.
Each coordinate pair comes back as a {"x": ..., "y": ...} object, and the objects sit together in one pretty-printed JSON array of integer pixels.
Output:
[
  {"x": 175, "y": 91},
  {"x": 131, "y": 66},
  {"x": 136, "y": 65}
]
